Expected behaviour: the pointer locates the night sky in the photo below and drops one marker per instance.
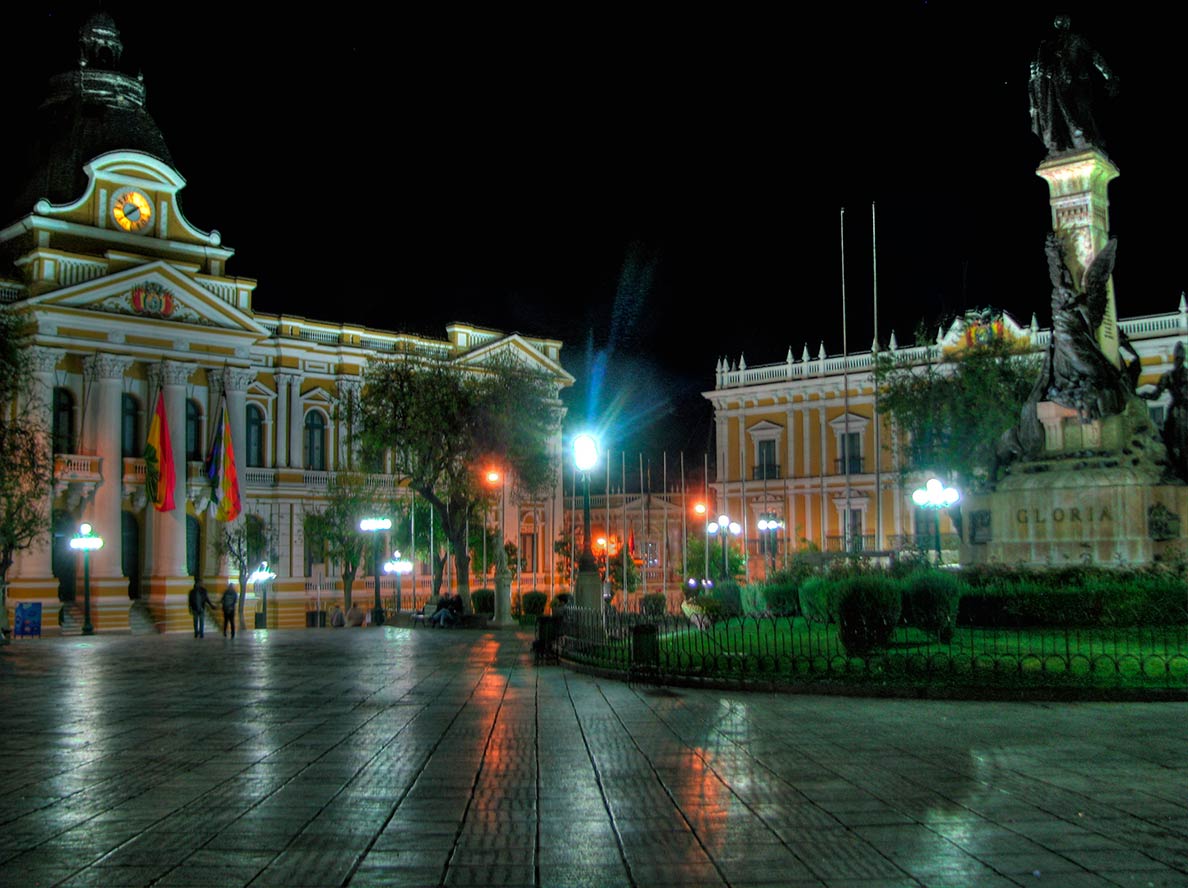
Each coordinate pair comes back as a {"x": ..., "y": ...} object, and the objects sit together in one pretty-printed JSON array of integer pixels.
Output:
[{"x": 657, "y": 189}]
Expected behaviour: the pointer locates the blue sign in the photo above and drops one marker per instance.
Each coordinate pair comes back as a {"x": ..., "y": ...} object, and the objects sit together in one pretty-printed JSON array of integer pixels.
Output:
[{"x": 28, "y": 619}]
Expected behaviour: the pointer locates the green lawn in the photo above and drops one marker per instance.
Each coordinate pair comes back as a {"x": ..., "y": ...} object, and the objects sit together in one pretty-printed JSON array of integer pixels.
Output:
[{"x": 792, "y": 649}]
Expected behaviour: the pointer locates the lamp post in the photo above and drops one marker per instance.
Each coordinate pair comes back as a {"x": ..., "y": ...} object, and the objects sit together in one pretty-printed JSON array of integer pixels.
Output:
[
  {"x": 502, "y": 573},
  {"x": 936, "y": 496},
  {"x": 702, "y": 510},
  {"x": 86, "y": 541},
  {"x": 260, "y": 576},
  {"x": 770, "y": 525},
  {"x": 726, "y": 528},
  {"x": 589, "y": 584},
  {"x": 375, "y": 526},
  {"x": 398, "y": 566}
]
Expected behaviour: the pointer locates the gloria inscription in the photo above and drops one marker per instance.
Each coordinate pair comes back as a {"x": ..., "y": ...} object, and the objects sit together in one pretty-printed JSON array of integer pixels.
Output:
[{"x": 1058, "y": 515}]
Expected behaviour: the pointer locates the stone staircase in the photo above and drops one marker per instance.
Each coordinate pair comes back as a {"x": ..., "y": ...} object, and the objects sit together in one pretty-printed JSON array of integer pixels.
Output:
[{"x": 70, "y": 619}]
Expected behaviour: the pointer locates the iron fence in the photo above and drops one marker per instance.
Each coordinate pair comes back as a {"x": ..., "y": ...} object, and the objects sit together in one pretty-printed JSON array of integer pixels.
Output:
[{"x": 765, "y": 650}]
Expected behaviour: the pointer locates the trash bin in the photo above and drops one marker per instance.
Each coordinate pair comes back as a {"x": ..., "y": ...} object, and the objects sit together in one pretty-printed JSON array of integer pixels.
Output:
[
  {"x": 261, "y": 620},
  {"x": 311, "y": 619},
  {"x": 645, "y": 650},
  {"x": 546, "y": 638}
]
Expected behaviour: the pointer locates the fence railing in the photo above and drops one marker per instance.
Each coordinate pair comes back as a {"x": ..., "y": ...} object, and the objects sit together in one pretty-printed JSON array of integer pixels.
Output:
[{"x": 778, "y": 650}]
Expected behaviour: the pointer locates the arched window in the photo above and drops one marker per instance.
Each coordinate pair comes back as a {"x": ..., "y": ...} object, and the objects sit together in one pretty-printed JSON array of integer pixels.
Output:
[
  {"x": 315, "y": 441},
  {"x": 130, "y": 438},
  {"x": 255, "y": 436},
  {"x": 63, "y": 431},
  {"x": 193, "y": 431}
]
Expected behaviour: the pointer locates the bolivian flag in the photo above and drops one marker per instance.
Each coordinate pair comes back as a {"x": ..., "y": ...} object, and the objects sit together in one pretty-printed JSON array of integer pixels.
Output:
[
  {"x": 159, "y": 478},
  {"x": 220, "y": 469}
]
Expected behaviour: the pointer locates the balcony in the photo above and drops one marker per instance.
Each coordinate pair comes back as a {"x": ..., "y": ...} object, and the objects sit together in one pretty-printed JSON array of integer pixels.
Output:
[
  {"x": 766, "y": 472},
  {"x": 864, "y": 542},
  {"x": 76, "y": 477}
]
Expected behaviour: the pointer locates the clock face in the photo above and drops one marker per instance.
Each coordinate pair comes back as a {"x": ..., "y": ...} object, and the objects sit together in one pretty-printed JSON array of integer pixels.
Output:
[{"x": 131, "y": 211}]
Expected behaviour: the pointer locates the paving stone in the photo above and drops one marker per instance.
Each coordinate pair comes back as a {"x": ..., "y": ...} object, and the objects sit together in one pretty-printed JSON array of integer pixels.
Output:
[{"x": 399, "y": 751}]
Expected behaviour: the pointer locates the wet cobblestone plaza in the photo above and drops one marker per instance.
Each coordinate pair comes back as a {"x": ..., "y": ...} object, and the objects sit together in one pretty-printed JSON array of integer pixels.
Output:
[{"x": 417, "y": 757}]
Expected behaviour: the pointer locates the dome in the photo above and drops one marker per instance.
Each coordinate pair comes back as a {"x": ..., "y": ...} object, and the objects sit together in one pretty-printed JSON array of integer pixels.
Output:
[{"x": 94, "y": 109}]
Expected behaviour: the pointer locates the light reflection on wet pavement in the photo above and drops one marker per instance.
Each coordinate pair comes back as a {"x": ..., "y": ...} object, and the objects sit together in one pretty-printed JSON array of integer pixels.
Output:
[{"x": 416, "y": 757}]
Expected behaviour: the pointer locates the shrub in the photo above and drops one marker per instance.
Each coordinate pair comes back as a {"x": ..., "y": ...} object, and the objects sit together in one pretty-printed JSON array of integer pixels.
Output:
[
  {"x": 753, "y": 598},
  {"x": 561, "y": 600},
  {"x": 654, "y": 604},
  {"x": 1073, "y": 597},
  {"x": 483, "y": 601},
  {"x": 533, "y": 603},
  {"x": 930, "y": 602},
  {"x": 729, "y": 595},
  {"x": 782, "y": 599},
  {"x": 818, "y": 599},
  {"x": 703, "y": 610},
  {"x": 867, "y": 611}
]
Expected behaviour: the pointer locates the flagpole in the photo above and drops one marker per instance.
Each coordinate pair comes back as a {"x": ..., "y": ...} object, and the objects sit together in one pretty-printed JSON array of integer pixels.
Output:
[
  {"x": 643, "y": 517},
  {"x": 847, "y": 529},
  {"x": 878, "y": 453}
]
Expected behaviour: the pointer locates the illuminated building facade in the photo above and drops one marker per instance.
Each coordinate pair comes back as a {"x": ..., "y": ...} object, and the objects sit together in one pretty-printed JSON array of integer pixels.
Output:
[
  {"x": 127, "y": 298},
  {"x": 798, "y": 440}
]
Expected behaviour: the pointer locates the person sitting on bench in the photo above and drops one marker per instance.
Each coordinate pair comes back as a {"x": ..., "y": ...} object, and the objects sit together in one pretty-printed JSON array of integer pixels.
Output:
[{"x": 449, "y": 611}]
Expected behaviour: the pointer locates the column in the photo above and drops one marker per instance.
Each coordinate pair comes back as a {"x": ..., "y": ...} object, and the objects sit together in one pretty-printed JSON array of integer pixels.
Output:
[
  {"x": 109, "y": 586},
  {"x": 347, "y": 427},
  {"x": 1078, "y": 186},
  {"x": 293, "y": 426},
  {"x": 281, "y": 427},
  {"x": 168, "y": 581},
  {"x": 236, "y": 381},
  {"x": 31, "y": 577}
]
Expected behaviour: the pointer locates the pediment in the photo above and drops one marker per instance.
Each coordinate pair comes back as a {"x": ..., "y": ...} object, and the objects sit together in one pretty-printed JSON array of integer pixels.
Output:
[
  {"x": 853, "y": 421},
  {"x": 516, "y": 348},
  {"x": 155, "y": 294}
]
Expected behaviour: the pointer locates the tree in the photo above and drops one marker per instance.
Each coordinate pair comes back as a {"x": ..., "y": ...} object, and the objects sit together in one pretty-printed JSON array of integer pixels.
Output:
[
  {"x": 446, "y": 423},
  {"x": 27, "y": 466},
  {"x": 695, "y": 554},
  {"x": 955, "y": 407},
  {"x": 335, "y": 529},
  {"x": 613, "y": 571},
  {"x": 243, "y": 543}
]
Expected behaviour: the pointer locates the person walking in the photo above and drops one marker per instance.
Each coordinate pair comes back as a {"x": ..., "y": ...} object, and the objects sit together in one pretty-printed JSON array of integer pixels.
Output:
[
  {"x": 199, "y": 601},
  {"x": 229, "y": 599}
]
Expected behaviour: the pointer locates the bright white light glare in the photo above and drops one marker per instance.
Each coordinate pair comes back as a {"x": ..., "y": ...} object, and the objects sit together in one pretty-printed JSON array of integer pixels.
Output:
[
  {"x": 712, "y": 527},
  {"x": 398, "y": 565},
  {"x": 585, "y": 452},
  {"x": 935, "y": 495},
  {"x": 735, "y": 528},
  {"x": 373, "y": 524},
  {"x": 261, "y": 573},
  {"x": 84, "y": 540},
  {"x": 723, "y": 520}
]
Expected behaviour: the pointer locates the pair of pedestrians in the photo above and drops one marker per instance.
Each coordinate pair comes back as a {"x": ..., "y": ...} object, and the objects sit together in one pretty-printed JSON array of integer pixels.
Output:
[{"x": 199, "y": 602}]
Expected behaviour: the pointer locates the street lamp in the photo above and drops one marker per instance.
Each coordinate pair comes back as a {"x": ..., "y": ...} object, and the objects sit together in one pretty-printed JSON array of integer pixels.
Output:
[
  {"x": 726, "y": 527},
  {"x": 502, "y": 574},
  {"x": 770, "y": 525},
  {"x": 702, "y": 510},
  {"x": 260, "y": 576},
  {"x": 375, "y": 526},
  {"x": 398, "y": 566},
  {"x": 85, "y": 541},
  {"x": 585, "y": 457},
  {"x": 936, "y": 496}
]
